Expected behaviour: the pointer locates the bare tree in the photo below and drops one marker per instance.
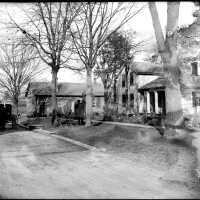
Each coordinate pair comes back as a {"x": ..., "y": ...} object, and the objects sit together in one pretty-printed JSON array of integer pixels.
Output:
[
  {"x": 18, "y": 65},
  {"x": 47, "y": 29},
  {"x": 96, "y": 22}
]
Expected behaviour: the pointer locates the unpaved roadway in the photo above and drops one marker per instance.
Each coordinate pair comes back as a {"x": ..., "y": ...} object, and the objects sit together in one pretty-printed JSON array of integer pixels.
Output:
[{"x": 33, "y": 165}]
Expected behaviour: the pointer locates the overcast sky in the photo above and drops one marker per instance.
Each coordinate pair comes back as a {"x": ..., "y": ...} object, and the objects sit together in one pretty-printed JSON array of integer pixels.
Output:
[{"x": 141, "y": 23}]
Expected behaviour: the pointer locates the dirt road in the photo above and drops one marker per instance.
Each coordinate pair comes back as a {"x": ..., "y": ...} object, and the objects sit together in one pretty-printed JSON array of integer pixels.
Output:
[{"x": 33, "y": 165}]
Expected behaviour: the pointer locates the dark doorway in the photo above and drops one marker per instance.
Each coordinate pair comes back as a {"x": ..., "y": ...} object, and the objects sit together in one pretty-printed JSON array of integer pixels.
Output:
[
  {"x": 42, "y": 109},
  {"x": 161, "y": 102},
  {"x": 152, "y": 102}
]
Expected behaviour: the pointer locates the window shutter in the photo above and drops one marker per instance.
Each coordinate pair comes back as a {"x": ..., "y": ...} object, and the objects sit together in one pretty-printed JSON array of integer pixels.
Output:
[
  {"x": 124, "y": 99},
  {"x": 198, "y": 68},
  {"x": 131, "y": 96},
  {"x": 131, "y": 78},
  {"x": 123, "y": 80},
  {"x": 131, "y": 99}
]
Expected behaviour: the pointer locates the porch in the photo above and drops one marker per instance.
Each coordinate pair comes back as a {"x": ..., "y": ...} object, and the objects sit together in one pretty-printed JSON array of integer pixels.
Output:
[{"x": 152, "y": 101}]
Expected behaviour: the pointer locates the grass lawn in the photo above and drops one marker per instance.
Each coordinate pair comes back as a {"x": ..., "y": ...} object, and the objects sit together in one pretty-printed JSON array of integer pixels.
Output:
[{"x": 175, "y": 158}]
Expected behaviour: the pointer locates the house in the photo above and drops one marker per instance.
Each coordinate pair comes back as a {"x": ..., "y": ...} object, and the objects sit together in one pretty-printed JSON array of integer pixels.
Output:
[
  {"x": 150, "y": 91},
  {"x": 139, "y": 74},
  {"x": 150, "y": 87},
  {"x": 21, "y": 103},
  {"x": 38, "y": 97},
  {"x": 153, "y": 94}
]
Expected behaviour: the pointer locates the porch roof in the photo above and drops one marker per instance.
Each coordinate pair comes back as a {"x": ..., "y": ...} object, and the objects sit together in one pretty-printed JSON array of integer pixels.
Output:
[{"x": 157, "y": 83}]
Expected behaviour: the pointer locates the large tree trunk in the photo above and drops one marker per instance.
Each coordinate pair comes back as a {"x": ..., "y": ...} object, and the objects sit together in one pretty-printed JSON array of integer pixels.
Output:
[
  {"x": 135, "y": 94},
  {"x": 106, "y": 102},
  {"x": 54, "y": 99},
  {"x": 171, "y": 67},
  {"x": 168, "y": 50},
  {"x": 15, "y": 112},
  {"x": 89, "y": 94},
  {"x": 15, "y": 107},
  {"x": 174, "y": 110},
  {"x": 127, "y": 88},
  {"x": 115, "y": 91}
]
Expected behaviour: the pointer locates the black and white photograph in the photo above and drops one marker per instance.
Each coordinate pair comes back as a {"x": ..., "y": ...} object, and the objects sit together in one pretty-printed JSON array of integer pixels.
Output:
[{"x": 100, "y": 100}]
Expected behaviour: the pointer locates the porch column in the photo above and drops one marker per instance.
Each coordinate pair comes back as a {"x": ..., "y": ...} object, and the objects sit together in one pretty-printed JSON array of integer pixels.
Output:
[
  {"x": 148, "y": 101},
  {"x": 72, "y": 106},
  {"x": 156, "y": 101},
  {"x": 141, "y": 103}
]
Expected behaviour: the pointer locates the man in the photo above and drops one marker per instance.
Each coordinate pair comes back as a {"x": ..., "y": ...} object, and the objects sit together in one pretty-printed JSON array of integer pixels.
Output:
[
  {"x": 2, "y": 117},
  {"x": 81, "y": 112}
]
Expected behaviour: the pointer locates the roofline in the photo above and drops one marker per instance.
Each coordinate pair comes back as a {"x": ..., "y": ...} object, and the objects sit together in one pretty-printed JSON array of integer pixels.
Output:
[
  {"x": 153, "y": 88},
  {"x": 62, "y": 95},
  {"x": 150, "y": 73}
]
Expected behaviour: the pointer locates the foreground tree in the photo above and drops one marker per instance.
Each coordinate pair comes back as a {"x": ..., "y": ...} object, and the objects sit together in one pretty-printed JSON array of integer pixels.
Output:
[
  {"x": 47, "y": 30},
  {"x": 18, "y": 65},
  {"x": 167, "y": 48},
  {"x": 90, "y": 32}
]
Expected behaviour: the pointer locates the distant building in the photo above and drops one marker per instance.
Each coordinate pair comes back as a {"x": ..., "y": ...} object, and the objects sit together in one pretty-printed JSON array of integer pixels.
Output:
[{"x": 38, "y": 97}]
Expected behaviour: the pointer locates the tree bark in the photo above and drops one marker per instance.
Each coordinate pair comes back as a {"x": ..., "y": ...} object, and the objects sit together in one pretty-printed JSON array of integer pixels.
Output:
[
  {"x": 106, "y": 101},
  {"x": 15, "y": 112},
  {"x": 115, "y": 91},
  {"x": 135, "y": 94},
  {"x": 54, "y": 99},
  {"x": 89, "y": 94},
  {"x": 127, "y": 88},
  {"x": 168, "y": 50},
  {"x": 15, "y": 107}
]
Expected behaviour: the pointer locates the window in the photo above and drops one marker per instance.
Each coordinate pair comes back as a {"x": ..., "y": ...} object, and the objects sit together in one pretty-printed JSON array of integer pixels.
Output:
[
  {"x": 124, "y": 99},
  {"x": 123, "y": 80},
  {"x": 131, "y": 78},
  {"x": 195, "y": 99},
  {"x": 131, "y": 99},
  {"x": 195, "y": 68}
]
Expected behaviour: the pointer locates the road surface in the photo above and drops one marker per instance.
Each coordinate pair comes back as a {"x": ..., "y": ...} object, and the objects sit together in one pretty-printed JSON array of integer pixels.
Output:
[{"x": 34, "y": 165}]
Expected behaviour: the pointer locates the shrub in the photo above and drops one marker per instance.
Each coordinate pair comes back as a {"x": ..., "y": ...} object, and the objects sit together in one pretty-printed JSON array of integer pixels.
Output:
[{"x": 193, "y": 121}]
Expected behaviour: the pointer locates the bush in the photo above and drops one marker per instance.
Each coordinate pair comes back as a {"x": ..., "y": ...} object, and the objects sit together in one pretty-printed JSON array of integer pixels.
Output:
[
  {"x": 193, "y": 120},
  {"x": 110, "y": 114}
]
